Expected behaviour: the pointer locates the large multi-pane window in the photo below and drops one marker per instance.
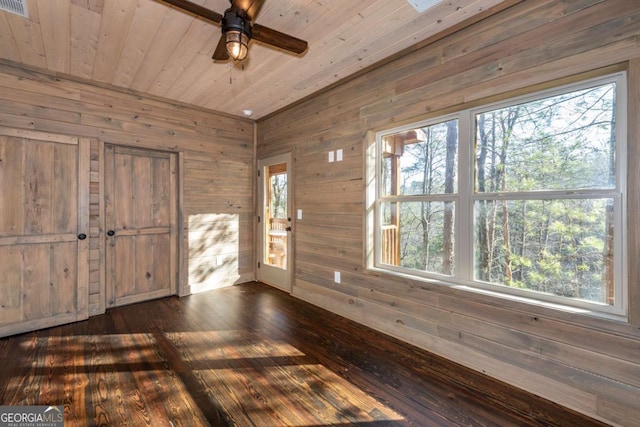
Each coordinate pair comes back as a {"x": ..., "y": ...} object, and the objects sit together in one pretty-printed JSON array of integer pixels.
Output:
[{"x": 523, "y": 197}]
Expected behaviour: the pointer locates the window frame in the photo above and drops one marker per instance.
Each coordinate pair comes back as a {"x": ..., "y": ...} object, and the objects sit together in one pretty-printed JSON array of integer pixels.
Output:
[{"x": 465, "y": 198}]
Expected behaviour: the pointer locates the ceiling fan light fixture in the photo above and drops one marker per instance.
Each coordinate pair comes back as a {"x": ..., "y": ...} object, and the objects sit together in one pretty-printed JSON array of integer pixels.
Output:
[
  {"x": 237, "y": 44},
  {"x": 237, "y": 33}
]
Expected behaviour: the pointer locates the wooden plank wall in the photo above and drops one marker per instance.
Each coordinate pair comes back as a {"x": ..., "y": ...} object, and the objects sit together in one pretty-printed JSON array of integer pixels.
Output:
[
  {"x": 217, "y": 153},
  {"x": 591, "y": 365}
]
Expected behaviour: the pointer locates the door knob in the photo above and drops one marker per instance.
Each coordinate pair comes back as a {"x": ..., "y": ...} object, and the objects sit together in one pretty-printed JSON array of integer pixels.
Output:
[
  {"x": 82, "y": 236},
  {"x": 288, "y": 228},
  {"x": 110, "y": 233}
]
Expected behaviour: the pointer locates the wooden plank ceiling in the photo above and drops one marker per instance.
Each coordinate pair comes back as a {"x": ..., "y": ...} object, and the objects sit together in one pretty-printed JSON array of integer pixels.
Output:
[{"x": 150, "y": 48}]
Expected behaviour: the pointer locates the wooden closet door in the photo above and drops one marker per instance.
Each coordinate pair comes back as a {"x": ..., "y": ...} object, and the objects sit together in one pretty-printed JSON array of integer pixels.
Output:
[
  {"x": 44, "y": 223},
  {"x": 140, "y": 217}
]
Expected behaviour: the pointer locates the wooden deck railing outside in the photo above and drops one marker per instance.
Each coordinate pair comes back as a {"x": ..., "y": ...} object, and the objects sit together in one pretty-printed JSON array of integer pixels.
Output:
[{"x": 390, "y": 245}]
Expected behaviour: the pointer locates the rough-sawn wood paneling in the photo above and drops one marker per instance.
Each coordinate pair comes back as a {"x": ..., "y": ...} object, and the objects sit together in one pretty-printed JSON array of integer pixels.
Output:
[
  {"x": 216, "y": 180},
  {"x": 589, "y": 364}
]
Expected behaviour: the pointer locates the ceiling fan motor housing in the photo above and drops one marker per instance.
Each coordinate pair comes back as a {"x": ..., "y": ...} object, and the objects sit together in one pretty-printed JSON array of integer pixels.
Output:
[{"x": 233, "y": 21}]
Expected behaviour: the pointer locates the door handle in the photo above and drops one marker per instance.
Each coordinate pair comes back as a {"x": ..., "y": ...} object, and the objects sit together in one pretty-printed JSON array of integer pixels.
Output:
[
  {"x": 82, "y": 236},
  {"x": 288, "y": 229},
  {"x": 110, "y": 233}
]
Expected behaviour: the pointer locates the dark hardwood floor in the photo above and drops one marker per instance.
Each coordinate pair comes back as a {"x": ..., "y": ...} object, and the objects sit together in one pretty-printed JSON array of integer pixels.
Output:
[{"x": 250, "y": 355}]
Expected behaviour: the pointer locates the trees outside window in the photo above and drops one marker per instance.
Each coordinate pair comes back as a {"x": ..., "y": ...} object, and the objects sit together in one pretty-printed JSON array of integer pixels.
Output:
[
  {"x": 278, "y": 195},
  {"x": 541, "y": 179}
]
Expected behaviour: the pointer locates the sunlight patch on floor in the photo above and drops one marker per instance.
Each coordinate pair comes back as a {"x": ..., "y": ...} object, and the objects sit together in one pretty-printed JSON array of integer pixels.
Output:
[{"x": 266, "y": 382}]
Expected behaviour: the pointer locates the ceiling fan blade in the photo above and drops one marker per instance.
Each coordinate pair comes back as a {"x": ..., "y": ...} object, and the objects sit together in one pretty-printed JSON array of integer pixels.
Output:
[
  {"x": 251, "y": 7},
  {"x": 221, "y": 53},
  {"x": 195, "y": 9},
  {"x": 278, "y": 39}
]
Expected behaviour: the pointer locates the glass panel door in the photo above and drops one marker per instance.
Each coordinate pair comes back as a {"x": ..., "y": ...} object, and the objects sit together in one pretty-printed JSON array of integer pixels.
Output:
[{"x": 275, "y": 226}]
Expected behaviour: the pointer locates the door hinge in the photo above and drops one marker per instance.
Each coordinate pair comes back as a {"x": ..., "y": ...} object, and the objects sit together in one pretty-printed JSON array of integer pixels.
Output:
[
  {"x": 258, "y": 218},
  {"x": 258, "y": 172},
  {"x": 258, "y": 265}
]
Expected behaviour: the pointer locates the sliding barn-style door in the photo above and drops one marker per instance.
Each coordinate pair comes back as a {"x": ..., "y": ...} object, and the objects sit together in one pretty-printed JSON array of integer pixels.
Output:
[
  {"x": 44, "y": 223},
  {"x": 140, "y": 219}
]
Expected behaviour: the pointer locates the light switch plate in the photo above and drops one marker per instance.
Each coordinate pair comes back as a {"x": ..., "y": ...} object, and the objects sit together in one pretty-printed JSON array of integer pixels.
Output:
[
  {"x": 339, "y": 155},
  {"x": 299, "y": 213},
  {"x": 336, "y": 276},
  {"x": 331, "y": 154}
]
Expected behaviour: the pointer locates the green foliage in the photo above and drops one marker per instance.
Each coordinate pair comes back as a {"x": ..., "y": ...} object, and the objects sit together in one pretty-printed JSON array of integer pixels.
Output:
[{"x": 555, "y": 246}]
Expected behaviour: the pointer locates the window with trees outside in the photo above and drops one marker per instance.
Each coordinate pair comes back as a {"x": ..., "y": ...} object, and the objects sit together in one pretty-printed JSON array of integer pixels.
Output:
[{"x": 524, "y": 197}]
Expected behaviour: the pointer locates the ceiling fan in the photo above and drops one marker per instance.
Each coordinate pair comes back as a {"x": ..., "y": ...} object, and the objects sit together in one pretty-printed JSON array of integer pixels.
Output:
[{"x": 238, "y": 29}]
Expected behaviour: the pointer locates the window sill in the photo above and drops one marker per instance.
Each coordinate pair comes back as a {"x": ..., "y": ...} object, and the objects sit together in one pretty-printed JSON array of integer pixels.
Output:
[{"x": 532, "y": 306}]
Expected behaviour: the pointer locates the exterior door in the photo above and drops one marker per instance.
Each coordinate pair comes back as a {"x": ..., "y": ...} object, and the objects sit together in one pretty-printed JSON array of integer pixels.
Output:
[
  {"x": 140, "y": 219},
  {"x": 44, "y": 223},
  {"x": 275, "y": 225}
]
